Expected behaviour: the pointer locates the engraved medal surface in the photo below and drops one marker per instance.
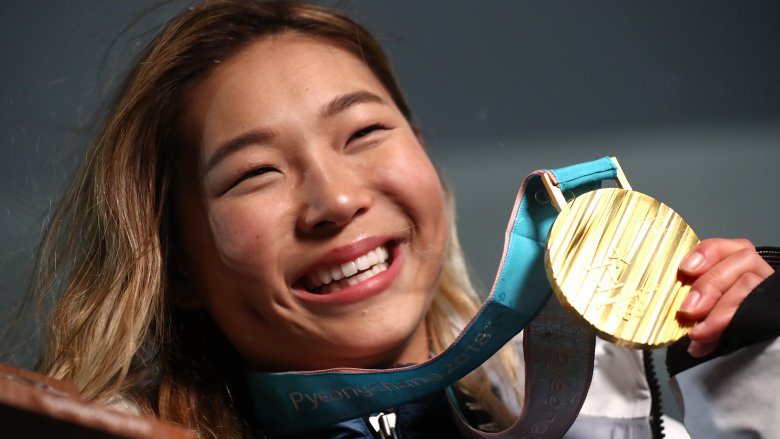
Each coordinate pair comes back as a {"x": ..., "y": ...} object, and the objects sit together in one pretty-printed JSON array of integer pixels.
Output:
[{"x": 613, "y": 256}]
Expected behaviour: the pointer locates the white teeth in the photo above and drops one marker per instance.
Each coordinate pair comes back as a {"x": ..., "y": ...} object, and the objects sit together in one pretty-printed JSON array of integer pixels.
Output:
[
  {"x": 362, "y": 263},
  {"x": 373, "y": 257},
  {"x": 324, "y": 277},
  {"x": 349, "y": 269},
  {"x": 336, "y": 274},
  {"x": 362, "y": 276},
  {"x": 349, "y": 273}
]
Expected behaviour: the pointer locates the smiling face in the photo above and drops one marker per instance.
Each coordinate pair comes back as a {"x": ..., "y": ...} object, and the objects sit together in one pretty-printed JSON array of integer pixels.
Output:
[{"x": 310, "y": 219}]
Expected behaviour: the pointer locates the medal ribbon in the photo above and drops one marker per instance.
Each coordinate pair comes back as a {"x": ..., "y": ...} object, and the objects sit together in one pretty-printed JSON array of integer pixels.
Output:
[{"x": 291, "y": 402}]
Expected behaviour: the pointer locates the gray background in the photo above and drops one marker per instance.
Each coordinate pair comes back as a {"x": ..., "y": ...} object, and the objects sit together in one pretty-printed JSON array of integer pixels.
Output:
[{"x": 684, "y": 93}]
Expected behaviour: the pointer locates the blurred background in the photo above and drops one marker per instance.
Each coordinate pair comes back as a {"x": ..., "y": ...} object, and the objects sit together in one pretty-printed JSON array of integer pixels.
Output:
[{"x": 685, "y": 93}]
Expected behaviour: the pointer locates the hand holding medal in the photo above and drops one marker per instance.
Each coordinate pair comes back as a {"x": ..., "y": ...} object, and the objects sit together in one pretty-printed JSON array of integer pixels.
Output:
[{"x": 613, "y": 256}]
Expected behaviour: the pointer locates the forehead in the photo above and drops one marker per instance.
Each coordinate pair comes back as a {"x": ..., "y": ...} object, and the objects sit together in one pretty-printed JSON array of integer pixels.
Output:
[{"x": 274, "y": 76}]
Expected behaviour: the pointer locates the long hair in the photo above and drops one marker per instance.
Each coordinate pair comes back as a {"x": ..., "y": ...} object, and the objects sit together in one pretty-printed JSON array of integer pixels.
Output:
[{"x": 107, "y": 251}]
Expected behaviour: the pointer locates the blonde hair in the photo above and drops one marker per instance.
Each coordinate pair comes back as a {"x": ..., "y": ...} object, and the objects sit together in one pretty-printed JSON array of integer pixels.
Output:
[
  {"x": 455, "y": 303},
  {"x": 113, "y": 331}
]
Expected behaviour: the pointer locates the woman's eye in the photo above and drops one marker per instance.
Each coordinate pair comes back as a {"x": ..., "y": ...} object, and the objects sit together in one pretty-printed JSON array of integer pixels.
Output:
[
  {"x": 363, "y": 132},
  {"x": 254, "y": 172}
]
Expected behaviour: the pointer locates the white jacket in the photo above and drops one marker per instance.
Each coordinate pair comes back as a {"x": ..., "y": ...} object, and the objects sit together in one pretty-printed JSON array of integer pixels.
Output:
[{"x": 734, "y": 396}]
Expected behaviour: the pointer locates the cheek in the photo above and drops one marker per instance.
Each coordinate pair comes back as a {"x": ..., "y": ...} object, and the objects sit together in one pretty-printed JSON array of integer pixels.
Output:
[
  {"x": 245, "y": 237},
  {"x": 417, "y": 179},
  {"x": 416, "y": 187}
]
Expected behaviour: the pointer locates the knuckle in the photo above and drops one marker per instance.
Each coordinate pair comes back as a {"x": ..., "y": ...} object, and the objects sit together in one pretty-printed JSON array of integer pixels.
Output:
[
  {"x": 730, "y": 245},
  {"x": 747, "y": 255},
  {"x": 724, "y": 318},
  {"x": 750, "y": 258},
  {"x": 709, "y": 283},
  {"x": 708, "y": 334},
  {"x": 745, "y": 244},
  {"x": 716, "y": 324},
  {"x": 749, "y": 280}
]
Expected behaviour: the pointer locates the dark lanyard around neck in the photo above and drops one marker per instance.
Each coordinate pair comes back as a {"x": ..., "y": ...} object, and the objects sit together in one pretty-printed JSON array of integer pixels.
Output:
[{"x": 556, "y": 347}]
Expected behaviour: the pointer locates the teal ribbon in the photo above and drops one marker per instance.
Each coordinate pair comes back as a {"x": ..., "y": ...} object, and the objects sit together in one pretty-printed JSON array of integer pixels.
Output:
[{"x": 293, "y": 402}]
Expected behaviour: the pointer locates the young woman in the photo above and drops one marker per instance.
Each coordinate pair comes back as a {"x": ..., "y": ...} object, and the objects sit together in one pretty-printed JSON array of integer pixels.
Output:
[{"x": 259, "y": 199}]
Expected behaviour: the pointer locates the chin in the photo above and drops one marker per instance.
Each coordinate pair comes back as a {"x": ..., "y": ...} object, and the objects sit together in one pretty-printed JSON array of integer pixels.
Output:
[{"x": 387, "y": 346}]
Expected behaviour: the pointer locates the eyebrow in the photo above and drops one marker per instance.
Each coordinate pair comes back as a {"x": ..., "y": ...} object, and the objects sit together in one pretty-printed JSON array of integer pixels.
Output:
[
  {"x": 332, "y": 108},
  {"x": 236, "y": 144},
  {"x": 343, "y": 102}
]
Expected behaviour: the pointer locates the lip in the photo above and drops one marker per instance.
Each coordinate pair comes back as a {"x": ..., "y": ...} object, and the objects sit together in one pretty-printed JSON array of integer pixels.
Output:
[{"x": 362, "y": 290}]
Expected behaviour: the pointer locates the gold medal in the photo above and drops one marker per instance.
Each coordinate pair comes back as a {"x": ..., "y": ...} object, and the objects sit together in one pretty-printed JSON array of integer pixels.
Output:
[{"x": 613, "y": 256}]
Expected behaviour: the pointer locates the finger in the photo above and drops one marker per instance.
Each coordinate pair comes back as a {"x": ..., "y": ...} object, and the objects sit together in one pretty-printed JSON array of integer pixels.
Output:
[
  {"x": 696, "y": 349},
  {"x": 711, "y": 328},
  {"x": 706, "y": 334},
  {"x": 711, "y": 251},
  {"x": 707, "y": 289}
]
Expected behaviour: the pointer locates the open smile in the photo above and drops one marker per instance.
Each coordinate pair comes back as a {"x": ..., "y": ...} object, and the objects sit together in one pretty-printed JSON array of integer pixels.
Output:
[
  {"x": 337, "y": 277},
  {"x": 354, "y": 273}
]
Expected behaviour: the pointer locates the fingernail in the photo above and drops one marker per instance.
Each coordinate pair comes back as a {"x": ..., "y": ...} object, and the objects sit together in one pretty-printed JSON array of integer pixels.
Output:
[
  {"x": 695, "y": 349},
  {"x": 691, "y": 301},
  {"x": 692, "y": 261}
]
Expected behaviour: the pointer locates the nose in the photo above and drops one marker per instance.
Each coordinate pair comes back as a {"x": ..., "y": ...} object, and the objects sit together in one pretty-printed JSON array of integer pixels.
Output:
[{"x": 334, "y": 195}]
